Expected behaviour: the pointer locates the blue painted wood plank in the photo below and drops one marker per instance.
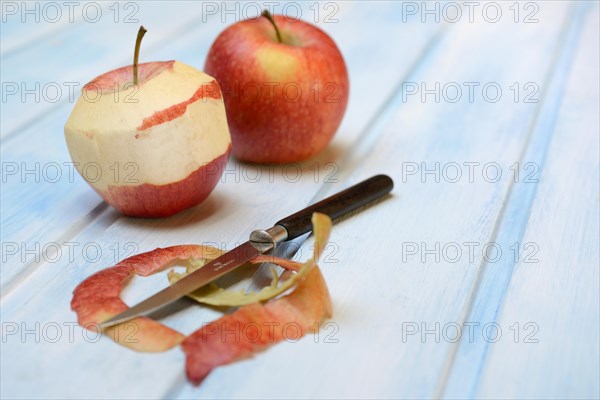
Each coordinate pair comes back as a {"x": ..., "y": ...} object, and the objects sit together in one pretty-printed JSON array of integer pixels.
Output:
[
  {"x": 552, "y": 349},
  {"x": 375, "y": 292},
  {"x": 44, "y": 201},
  {"x": 44, "y": 208},
  {"x": 467, "y": 359},
  {"x": 43, "y": 212},
  {"x": 223, "y": 218}
]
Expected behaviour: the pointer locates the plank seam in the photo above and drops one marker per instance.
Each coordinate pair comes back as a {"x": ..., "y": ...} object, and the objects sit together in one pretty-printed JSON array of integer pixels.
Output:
[{"x": 32, "y": 266}]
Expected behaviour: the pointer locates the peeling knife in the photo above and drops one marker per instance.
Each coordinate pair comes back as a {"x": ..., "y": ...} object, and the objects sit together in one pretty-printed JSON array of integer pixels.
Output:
[{"x": 262, "y": 241}]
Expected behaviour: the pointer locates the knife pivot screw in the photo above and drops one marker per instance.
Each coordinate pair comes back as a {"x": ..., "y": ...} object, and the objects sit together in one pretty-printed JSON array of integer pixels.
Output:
[{"x": 266, "y": 239}]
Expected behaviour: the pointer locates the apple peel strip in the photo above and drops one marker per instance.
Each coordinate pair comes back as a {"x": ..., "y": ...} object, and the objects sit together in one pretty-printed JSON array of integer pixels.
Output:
[
  {"x": 98, "y": 298},
  {"x": 228, "y": 339},
  {"x": 216, "y": 296}
]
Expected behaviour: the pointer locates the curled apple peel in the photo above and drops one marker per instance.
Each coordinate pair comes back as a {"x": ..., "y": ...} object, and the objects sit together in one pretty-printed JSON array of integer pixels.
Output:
[
  {"x": 255, "y": 326},
  {"x": 97, "y": 298},
  {"x": 260, "y": 321},
  {"x": 216, "y": 296}
]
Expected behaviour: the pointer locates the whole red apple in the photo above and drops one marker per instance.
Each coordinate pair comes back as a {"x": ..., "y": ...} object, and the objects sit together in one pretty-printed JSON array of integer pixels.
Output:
[
  {"x": 151, "y": 142},
  {"x": 285, "y": 86}
]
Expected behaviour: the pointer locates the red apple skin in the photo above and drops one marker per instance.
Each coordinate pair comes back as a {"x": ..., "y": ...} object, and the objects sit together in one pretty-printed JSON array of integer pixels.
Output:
[
  {"x": 158, "y": 201},
  {"x": 267, "y": 123}
]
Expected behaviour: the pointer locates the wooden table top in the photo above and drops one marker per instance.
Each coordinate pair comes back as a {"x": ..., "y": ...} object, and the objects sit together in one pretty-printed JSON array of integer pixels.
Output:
[{"x": 478, "y": 277}]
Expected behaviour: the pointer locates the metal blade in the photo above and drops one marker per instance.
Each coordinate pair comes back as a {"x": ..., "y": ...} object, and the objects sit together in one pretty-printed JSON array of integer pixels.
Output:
[{"x": 208, "y": 273}]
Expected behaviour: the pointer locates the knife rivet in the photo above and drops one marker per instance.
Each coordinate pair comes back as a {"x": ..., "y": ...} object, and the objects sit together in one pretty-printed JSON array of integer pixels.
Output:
[{"x": 266, "y": 239}]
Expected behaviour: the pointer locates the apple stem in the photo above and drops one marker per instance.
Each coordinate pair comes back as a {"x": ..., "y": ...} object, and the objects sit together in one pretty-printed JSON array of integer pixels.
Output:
[
  {"x": 268, "y": 16},
  {"x": 136, "y": 53}
]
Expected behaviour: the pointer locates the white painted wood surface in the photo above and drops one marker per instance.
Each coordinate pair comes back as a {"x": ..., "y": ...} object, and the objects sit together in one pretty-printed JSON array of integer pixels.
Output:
[{"x": 396, "y": 314}]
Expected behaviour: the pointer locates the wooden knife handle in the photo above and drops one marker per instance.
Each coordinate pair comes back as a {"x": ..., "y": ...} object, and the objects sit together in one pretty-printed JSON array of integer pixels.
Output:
[{"x": 338, "y": 205}]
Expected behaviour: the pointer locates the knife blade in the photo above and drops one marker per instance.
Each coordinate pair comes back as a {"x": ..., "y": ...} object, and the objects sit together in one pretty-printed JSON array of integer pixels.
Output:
[
  {"x": 261, "y": 241},
  {"x": 209, "y": 272}
]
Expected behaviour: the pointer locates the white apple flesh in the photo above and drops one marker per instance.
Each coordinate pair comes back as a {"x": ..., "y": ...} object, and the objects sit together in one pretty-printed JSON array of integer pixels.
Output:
[{"x": 151, "y": 149}]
